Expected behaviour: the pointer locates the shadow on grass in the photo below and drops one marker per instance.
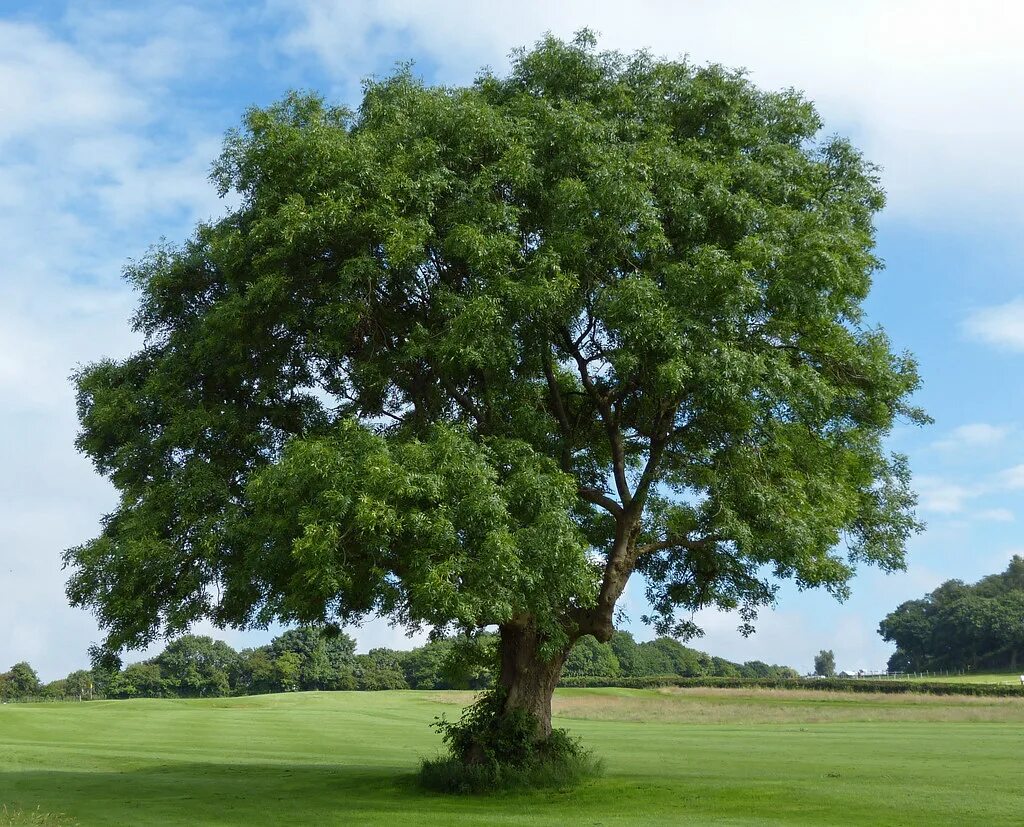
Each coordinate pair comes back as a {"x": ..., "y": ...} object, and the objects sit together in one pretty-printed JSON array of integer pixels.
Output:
[{"x": 196, "y": 793}]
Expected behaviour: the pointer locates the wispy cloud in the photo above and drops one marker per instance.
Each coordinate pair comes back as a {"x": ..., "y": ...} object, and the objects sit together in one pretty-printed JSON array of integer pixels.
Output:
[
  {"x": 1013, "y": 478},
  {"x": 1001, "y": 325},
  {"x": 94, "y": 166},
  {"x": 997, "y": 515},
  {"x": 941, "y": 496},
  {"x": 974, "y": 435}
]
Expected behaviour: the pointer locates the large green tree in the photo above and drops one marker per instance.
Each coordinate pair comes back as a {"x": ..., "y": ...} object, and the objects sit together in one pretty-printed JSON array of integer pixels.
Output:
[
  {"x": 472, "y": 357},
  {"x": 961, "y": 626}
]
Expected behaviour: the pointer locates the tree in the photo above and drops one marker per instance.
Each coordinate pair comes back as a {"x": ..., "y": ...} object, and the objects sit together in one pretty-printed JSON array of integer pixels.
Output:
[
  {"x": 380, "y": 669},
  {"x": 326, "y": 660},
  {"x": 140, "y": 680},
  {"x": 472, "y": 357},
  {"x": 197, "y": 666},
  {"x": 288, "y": 671},
  {"x": 22, "y": 681},
  {"x": 589, "y": 657},
  {"x": 627, "y": 653},
  {"x": 665, "y": 656},
  {"x": 825, "y": 663},
  {"x": 255, "y": 672},
  {"x": 80, "y": 684},
  {"x": 961, "y": 626}
]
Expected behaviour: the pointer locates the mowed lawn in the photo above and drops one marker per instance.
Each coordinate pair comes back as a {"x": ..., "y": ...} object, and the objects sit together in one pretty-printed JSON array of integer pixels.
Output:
[
  {"x": 971, "y": 677},
  {"x": 672, "y": 757}
]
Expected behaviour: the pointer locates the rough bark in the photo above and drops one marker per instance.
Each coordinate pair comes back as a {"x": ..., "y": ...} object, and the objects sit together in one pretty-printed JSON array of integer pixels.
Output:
[{"x": 526, "y": 677}]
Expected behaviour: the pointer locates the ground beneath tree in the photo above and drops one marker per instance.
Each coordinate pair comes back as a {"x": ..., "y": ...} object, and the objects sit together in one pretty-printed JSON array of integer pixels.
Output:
[{"x": 673, "y": 757}]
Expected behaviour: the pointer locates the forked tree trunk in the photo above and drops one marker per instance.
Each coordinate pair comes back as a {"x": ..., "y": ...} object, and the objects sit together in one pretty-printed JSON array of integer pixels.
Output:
[{"x": 527, "y": 679}]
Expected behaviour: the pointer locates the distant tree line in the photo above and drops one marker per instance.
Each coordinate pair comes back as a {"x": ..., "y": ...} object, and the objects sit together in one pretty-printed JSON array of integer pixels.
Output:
[
  {"x": 196, "y": 666},
  {"x": 961, "y": 626}
]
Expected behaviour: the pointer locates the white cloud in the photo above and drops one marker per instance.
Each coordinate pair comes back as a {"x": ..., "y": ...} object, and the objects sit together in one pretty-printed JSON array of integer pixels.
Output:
[
  {"x": 47, "y": 85},
  {"x": 156, "y": 42},
  {"x": 1002, "y": 325},
  {"x": 996, "y": 515},
  {"x": 92, "y": 168},
  {"x": 1012, "y": 478},
  {"x": 941, "y": 496},
  {"x": 974, "y": 435},
  {"x": 928, "y": 89}
]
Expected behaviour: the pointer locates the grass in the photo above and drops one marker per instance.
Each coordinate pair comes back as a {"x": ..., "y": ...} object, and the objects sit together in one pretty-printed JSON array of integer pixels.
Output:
[
  {"x": 672, "y": 757},
  {"x": 970, "y": 677}
]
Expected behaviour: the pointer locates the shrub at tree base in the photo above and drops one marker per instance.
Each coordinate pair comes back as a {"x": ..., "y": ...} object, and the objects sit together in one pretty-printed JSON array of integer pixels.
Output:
[{"x": 492, "y": 751}]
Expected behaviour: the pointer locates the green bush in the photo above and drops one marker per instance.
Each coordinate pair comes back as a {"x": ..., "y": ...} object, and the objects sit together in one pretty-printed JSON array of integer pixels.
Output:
[{"x": 491, "y": 752}]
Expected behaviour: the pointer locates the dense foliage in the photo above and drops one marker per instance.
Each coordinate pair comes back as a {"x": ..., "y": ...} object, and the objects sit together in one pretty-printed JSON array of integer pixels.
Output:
[
  {"x": 825, "y": 663},
  {"x": 961, "y": 626},
  {"x": 471, "y": 357}
]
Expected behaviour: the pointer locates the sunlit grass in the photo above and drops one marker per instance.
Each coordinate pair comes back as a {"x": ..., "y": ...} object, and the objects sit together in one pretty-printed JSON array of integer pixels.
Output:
[{"x": 674, "y": 756}]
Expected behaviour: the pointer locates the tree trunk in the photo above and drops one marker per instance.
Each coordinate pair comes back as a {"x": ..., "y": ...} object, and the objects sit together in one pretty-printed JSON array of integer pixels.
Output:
[{"x": 528, "y": 680}]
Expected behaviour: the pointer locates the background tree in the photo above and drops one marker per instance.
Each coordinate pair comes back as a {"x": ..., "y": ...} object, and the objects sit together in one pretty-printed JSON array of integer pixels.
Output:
[
  {"x": 20, "y": 681},
  {"x": 825, "y": 663},
  {"x": 961, "y": 626},
  {"x": 380, "y": 669},
  {"x": 137, "y": 680},
  {"x": 588, "y": 657},
  {"x": 288, "y": 671},
  {"x": 627, "y": 652},
  {"x": 255, "y": 672},
  {"x": 197, "y": 666},
  {"x": 80, "y": 684},
  {"x": 326, "y": 660},
  {"x": 472, "y": 357}
]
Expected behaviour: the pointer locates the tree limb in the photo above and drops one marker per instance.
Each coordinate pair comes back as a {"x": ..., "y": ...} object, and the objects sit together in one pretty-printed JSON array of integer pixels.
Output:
[
  {"x": 598, "y": 497},
  {"x": 610, "y": 423}
]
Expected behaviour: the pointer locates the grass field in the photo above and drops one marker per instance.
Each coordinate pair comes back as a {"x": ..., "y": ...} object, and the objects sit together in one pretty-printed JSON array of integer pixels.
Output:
[
  {"x": 690, "y": 756},
  {"x": 970, "y": 677}
]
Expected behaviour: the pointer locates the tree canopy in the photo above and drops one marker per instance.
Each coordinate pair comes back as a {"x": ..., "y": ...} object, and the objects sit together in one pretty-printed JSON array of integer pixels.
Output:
[
  {"x": 470, "y": 357},
  {"x": 825, "y": 663},
  {"x": 961, "y": 626}
]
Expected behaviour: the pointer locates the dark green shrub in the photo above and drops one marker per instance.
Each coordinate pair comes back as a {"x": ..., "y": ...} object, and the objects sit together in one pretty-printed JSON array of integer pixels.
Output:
[{"x": 488, "y": 751}]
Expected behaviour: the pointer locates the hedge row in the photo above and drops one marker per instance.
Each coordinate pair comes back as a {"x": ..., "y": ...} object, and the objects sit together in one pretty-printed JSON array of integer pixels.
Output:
[{"x": 893, "y": 687}]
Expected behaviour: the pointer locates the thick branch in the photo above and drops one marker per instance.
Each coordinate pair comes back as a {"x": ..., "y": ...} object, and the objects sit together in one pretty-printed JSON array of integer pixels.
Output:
[
  {"x": 598, "y": 497},
  {"x": 559, "y": 408},
  {"x": 659, "y": 439},
  {"x": 463, "y": 399},
  {"x": 676, "y": 542},
  {"x": 610, "y": 423}
]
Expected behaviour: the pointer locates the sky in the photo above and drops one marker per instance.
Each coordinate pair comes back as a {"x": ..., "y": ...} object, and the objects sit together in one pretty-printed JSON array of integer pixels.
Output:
[{"x": 112, "y": 113}]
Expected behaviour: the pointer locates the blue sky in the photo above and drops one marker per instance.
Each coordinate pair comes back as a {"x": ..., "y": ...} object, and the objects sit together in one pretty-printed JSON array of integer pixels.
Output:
[{"x": 110, "y": 115}]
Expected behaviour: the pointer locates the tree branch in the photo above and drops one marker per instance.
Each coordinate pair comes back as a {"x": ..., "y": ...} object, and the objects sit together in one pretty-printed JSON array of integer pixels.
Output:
[
  {"x": 559, "y": 408},
  {"x": 660, "y": 435},
  {"x": 598, "y": 497},
  {"x": 467, "y": 404},
  {"x": 676, "y": 542},
  {"x": 608, "y": 418}
]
